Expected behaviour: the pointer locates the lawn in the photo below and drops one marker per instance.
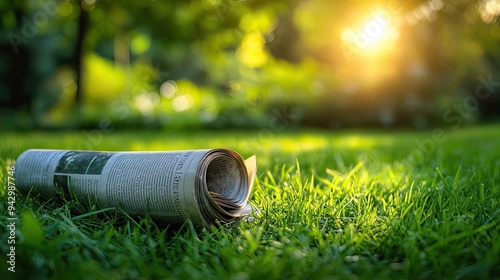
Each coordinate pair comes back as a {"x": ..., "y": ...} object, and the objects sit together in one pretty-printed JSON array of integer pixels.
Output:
[{"x": 335, "y": 204}]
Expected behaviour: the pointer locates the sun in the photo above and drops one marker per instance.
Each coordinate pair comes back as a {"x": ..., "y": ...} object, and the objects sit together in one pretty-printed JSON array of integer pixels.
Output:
[{"x": 372, "y": 37}]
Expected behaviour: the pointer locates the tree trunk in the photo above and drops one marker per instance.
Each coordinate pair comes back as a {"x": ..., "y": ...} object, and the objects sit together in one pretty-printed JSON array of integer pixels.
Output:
[{"x": 78, "y": 52}]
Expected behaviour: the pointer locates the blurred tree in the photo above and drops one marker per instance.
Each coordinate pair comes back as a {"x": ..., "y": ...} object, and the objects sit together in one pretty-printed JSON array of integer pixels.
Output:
[
  {"x": 34, "y": 48},
  {"x": 29, "y": 57},
  {"x": 430, "y": 64},
  {"x": 322, "y": 59},
  {"x": 78, "y": 50}
]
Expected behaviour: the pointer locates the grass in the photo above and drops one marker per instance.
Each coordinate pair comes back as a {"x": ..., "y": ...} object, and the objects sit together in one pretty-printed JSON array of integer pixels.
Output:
[{"x": 339, "y": 205}]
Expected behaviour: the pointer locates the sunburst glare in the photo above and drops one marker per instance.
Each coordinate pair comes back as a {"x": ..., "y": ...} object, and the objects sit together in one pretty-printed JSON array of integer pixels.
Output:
[{"x": 372, "y": 37}]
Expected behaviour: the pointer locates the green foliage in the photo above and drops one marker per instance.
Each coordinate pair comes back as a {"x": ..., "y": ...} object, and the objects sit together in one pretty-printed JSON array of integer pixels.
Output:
[
  {"x": 331, "y": 63},
  {"x": 346, "y": 205},
  {"x": 31, "y": 232}
]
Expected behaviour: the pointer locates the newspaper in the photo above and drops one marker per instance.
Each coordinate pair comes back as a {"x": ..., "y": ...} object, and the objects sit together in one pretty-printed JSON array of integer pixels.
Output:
[{"x": 206, "y": 186}]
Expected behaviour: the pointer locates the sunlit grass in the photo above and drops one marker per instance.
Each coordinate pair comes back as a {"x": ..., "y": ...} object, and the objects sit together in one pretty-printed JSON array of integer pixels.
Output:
[{"x": 348, "y": 204}]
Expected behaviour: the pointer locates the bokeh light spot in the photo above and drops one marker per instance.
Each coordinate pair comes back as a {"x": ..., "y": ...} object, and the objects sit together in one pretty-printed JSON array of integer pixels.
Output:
[
  {"x": 182, "y": 102},
  {"x": 168, "y": 89}
]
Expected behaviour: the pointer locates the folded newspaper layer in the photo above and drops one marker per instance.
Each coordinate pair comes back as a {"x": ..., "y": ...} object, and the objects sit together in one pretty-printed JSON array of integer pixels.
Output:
[{"x": 206, "y": 186}]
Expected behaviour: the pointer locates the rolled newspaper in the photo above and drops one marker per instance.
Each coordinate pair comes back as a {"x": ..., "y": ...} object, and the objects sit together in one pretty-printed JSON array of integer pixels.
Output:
[{"x": 205, "y": 186}]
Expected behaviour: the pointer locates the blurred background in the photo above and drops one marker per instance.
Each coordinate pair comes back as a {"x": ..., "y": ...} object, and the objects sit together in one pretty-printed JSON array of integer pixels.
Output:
[{"x": 248, "y": 63}]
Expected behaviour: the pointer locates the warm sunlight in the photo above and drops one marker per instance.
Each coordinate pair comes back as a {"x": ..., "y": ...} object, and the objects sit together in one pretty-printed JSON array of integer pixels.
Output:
[{"x": 372, "y": 37}]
